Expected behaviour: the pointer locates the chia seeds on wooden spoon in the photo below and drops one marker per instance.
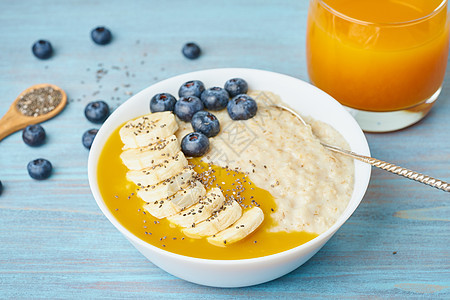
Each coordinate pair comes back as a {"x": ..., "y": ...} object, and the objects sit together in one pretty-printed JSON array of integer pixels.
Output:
[
  {"x": 39, "y": 101},
  {"x": 34, "y": 105}
]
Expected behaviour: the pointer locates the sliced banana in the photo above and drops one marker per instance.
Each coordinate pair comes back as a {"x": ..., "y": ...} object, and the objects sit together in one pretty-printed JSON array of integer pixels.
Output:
[
  {"x": 156, "y": 164},
  {"x": 163, "y": 170},
  {"x": 174, "y": 204},
  {"x": 148, "y": 129},
  {"x": 139, "y": 158},
  {"x": 229, "y": 213},
  {"x": 213, "y": 200},
  {"x": 168, "y": 187},
  {"x": 250, "y": 220}
]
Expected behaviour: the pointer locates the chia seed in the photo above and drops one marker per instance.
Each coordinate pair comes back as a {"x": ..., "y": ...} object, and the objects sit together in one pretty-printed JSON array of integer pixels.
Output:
[{"x": 39, "y": 101}]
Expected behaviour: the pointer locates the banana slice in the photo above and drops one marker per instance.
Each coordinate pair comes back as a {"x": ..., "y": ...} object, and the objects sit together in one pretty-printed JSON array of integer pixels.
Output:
[
  {"x": 168, "y": 187},
  {"x": 139, "y": 158},
  {"x": 161, "y": 171},
  {"x": 250, "y": 220},
  {"x": 189, "y": 196},
  {"x": 148, "y": 129},
  {"x": 174, "y": 204},
  {"x": 213, "y": 200},
  {"x": 229, "y": 213}
]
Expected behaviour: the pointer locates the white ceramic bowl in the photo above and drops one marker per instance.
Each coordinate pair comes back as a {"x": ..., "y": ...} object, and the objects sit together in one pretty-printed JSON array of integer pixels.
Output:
[{"x": 300, "y": 95}]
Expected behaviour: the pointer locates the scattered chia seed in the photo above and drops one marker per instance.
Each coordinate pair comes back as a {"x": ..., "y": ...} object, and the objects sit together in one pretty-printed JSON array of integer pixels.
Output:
[{"x": 39, "y": 101}]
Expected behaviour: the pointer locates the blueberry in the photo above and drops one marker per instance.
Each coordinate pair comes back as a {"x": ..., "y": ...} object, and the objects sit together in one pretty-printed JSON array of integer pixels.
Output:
[
  {"x": 191, "y": 50},
  {"x": 206, "y": 123},
  {"x": 33, "y": 135},
  {"x": 162, "y": 102},
  {"x": 1, "y": 188},
  {"x": 101, "y": 35},
  {"x": 88, "y": 137},
  {"x": 215, "y": 98},
  {"x": 194, "y": 144},
  {"x": 186, "y": 107},
  {"x": 236, "y": 86},
  {"x": 39, "y": 169},
  {"x": 42, "y": 49},
  {"x": 97, "y": 111},
  {"x": 191, "y": 88},
  {"x": 242, "y": 107}
]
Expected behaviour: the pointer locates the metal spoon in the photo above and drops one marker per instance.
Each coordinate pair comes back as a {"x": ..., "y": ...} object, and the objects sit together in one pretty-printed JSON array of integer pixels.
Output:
[
  {"x": 15, "y": 120},
  {"x": 436, "y": 183}
]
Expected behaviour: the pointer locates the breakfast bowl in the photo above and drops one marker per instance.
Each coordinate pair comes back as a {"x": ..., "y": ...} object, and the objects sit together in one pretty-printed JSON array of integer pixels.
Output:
[{"x": 225, "y": 272}]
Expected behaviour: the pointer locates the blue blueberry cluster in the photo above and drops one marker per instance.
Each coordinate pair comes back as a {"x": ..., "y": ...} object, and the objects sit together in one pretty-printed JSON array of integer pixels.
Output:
[
  {"x": 195, "y": 99},
  {"x": 96, "y": 112},
  {"x": 100, "y": 35},
  {"x": 34, "y": 135}
]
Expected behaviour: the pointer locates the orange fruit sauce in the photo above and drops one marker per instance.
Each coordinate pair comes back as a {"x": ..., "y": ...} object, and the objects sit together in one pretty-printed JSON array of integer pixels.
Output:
[{"x": 120, "y": 197}]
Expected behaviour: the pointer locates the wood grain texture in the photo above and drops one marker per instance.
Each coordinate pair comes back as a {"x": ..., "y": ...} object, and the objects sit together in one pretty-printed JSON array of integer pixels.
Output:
[{"x": 55, "y": 243}]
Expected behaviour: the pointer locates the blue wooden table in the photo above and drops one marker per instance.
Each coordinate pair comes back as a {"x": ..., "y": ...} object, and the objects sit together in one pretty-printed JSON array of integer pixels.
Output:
[{"x": 55, "y": 243}]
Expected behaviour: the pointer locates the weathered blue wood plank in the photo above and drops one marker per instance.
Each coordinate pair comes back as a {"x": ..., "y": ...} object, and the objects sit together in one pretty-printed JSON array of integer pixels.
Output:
[{"x": 49, "y": 230}]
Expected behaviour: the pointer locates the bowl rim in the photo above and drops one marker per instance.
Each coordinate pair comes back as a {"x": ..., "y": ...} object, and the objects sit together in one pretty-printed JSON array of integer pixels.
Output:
[{"x": 95, "y": 151}]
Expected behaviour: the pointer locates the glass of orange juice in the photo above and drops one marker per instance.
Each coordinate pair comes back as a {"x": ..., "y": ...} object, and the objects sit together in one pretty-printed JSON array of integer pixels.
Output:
[{"x": 385, "y": 60}]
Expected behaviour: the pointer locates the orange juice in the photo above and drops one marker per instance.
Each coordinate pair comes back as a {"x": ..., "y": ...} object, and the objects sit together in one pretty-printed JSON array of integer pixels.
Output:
[{"x": 378, "y": 55}]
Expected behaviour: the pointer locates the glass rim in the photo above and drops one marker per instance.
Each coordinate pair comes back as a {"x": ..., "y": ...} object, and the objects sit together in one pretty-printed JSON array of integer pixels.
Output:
[{"x": 361, "y": 22}]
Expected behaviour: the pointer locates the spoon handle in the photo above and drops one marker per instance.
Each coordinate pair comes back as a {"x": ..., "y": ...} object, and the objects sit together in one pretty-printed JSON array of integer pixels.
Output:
[
  {"x": 10, "y": 123},
  {"x": 439, "y": 184}
]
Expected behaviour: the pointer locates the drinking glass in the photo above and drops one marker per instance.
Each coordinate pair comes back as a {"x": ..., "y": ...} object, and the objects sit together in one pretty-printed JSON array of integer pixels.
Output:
[{"x": 384, "y": 60}]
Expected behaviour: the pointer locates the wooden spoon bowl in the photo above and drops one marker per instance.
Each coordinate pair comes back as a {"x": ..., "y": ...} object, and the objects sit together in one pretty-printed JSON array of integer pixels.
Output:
[{"x": 15, "y": 120}]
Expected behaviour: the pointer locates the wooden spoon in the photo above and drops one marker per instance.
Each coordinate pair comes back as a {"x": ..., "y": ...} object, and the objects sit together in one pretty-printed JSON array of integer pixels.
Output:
[{"x": 15, "y": 120}]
